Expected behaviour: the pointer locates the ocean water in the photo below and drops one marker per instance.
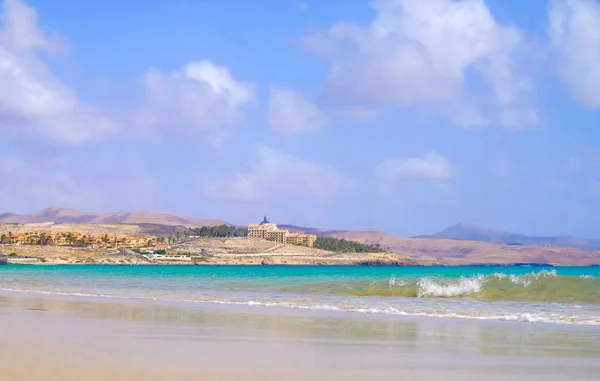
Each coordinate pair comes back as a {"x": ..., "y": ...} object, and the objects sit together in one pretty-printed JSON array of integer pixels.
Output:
[{"x": 559, "y": 295}]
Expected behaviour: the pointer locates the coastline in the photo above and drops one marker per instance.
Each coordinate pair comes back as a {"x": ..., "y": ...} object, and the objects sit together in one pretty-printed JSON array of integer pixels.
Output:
[
  {"x": 297, "y": 263},
  {"x": 242, "y": 252},
  {"x": 350, "y": 263},
  {"x": 59, "y": 255}
]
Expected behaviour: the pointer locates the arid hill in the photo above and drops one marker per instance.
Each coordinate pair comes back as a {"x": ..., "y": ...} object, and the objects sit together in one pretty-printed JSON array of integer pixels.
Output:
[
  {"x": 463, "y": 252},
  {"x": 467, "y": 232},
  {"x": 132, "y": 230},
  {"x": 454, "y": 250},
  {"x": 64, "y": 215},
  {"x": 255, "y": 251}
]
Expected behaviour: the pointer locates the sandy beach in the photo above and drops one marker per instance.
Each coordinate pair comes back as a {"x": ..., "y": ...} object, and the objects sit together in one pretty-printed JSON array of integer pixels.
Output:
[{"x": 69, "y": 338}]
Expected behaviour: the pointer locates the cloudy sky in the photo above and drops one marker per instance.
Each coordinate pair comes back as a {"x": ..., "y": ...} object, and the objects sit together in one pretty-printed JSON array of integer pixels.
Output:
[{"x": 398, "y": 115}]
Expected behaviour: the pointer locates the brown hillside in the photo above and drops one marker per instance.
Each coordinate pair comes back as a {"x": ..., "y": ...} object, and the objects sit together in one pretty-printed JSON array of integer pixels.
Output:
[
  {"x": 64, "y": 215},
  {"x": 461, "y": 252}
]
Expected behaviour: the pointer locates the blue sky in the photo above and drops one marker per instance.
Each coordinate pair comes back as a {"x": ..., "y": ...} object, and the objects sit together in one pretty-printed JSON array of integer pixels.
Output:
[{"x": 398, "y": 115}]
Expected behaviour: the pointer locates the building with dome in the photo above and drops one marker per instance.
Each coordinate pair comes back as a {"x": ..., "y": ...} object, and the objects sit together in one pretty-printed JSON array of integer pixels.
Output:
[{"x": 269, "y": 231}]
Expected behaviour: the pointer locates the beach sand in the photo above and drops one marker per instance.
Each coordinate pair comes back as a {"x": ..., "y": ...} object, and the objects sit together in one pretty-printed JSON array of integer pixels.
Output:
[{"x": 53, "y": 338}]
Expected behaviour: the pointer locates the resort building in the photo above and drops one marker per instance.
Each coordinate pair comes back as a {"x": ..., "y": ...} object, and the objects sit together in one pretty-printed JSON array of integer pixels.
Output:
[
  {"x": 307, "y": 240},
  {"x": 108, "y": 241},
  {"x": 271, "y": 232}
]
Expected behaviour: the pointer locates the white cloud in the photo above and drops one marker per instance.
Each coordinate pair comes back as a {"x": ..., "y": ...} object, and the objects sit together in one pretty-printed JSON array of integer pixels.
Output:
[
  {"x": 21, "y": 30},
  {"x": 430, "y": 167},
  {"x": 575, "y": 36},
  {"x": 196, "y": 101},
  {"x": 290, "y": 112},
  {"x": 278, "y": 174},
  {"x": 422, "y": 52},
  {"x": 34, "y": 103}
]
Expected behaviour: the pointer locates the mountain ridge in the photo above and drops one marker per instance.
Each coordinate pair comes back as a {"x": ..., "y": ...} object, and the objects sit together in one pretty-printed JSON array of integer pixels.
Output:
[
  {"x": 457, "y": 232},
  {"x": 467, "y": 232},
  {"x": 67, "y": 215}
]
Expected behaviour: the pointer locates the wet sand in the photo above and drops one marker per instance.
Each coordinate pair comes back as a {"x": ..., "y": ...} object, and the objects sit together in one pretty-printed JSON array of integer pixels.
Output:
[{"x": 52, "y": 338}]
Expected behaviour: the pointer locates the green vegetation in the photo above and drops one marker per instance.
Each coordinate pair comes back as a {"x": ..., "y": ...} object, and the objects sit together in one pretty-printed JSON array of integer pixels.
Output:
[
  {"x": 218, "y": 231},
  {"x": 145, "y": 251},
  {"x": 344, "y": 246}
]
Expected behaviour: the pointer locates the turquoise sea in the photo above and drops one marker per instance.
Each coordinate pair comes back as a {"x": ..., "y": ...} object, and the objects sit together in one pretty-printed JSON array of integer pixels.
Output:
[{"x": 562, "y": 295}]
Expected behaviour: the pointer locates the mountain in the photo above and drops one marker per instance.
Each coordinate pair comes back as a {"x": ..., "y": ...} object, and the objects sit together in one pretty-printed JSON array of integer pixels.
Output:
[
  {"x": 65, "y": 215},
  {"x": 458, "y": 245},
  {"x": 467, "y": 232},
  {"x": 467, "y": 245}
]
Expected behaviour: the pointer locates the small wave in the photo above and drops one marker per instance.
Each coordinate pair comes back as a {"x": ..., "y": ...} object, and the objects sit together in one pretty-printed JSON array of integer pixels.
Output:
[
  {"x": 542, "y": 286},
  {"x": 465, "y": 285},
  {"x": 448, "y": 288},
  {"x": 64, "y": 293},
  {"x": 527, "y": 279}
]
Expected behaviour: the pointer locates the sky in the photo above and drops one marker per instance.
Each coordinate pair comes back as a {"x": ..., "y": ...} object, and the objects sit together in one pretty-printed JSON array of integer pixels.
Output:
[{"x": 405, "y": 116}]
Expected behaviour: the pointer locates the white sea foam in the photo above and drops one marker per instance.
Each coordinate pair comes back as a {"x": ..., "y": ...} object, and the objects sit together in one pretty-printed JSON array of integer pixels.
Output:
[
  {"x": 396, "y": 283},
  {"x": 526, "y": 279},
  {"x": 520, "y": 280},
  {"x": 462, "y": 286}
]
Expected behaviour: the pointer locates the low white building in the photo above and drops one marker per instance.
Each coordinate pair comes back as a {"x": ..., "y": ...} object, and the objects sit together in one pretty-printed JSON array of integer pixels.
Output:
[
  {"x": 21, "y": 260},
  {"x": 168, "y": 257}
]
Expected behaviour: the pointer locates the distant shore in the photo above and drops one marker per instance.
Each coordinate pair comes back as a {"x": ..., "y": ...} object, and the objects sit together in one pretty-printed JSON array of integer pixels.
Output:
[
  {"x": 253, "y": 251},
  {"x": 288, "y": 261},
  {"x": 282, "y": 255}
]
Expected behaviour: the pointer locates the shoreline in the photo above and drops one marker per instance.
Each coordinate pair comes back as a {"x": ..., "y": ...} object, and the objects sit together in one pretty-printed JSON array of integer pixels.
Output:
[
  {"x": 75, "y": 339},
  {"x": 256, "y": 251},
  {"x": 250, "y": 308},
  {"x": 331, "y": 264},
  {"x": 522, "y": 317}
]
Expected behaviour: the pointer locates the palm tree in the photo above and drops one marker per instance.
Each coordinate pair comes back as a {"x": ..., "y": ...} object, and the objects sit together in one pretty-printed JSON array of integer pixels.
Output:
[{"x": 69, "y": 238}]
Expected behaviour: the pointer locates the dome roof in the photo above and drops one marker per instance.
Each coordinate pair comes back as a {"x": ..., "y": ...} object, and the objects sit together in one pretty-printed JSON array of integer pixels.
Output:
[{"x": 265, "y": 221}]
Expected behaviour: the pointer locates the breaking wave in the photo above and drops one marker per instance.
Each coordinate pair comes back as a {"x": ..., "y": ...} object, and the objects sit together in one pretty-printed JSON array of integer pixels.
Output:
[
  {"x": 540, "y": 296},
  {"x": 546, "y": 286},
  {"x": 463, "y": 286}
]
